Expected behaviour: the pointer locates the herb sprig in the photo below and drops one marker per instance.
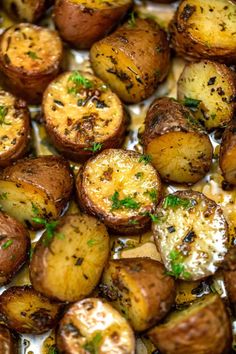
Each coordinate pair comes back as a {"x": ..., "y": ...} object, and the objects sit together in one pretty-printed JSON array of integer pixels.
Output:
[
  {"x": 78, "y": 80},
  {"x": 127, "y": 202},
  {"x": 177, "y": 266},
  {"x": 192, "y": 103},
  {"x": 7, "y": 244},
  {"x": 146, "y": 159},
  {"x": 93, "y": 346},
  {"x": 33, "y": 55},
  {"x": 95, "y": 147},
  {"x": 173, "y": 201}
]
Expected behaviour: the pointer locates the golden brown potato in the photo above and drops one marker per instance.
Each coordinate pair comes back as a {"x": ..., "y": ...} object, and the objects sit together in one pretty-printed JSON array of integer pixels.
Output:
[
  {"x": 27, "y": 311},
  {"x": 203, "y": 327},
  {"x": 82, "y": 23},
  {"x": 209, "y": 90},
  {"x": 25, "y": 10},
  {"x": 14, "y": 128},
  {"x": 51, "y": 174},
  {"x": 140, "y": 289},
  {"x": 93, "y": 326},
  {"x": 121, "y": 188},
  {"x": 205, "y": 29},
  {"x": 30, "y": 57},
  {"x": 14, "y": 246},
  {"x": 68, "y": 266},
  {"x": 180, "y": 150},
  {"x": 82, "y": 115},
  {"x": 133, "y": 60},
  {"x": 8, "y": 342},
  {"x": 228, "y": 152},
  {"x": 191, "y": 234}
]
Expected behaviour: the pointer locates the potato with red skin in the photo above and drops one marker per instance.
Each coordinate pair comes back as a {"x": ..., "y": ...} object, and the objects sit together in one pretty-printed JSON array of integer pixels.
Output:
[
  {"x": 14, "y": 246},
  {"x": 227, "y": 153},
  {"x": 82, "y": 23},
  {"x": 8, "y": 341},
  {"x": 30, "y": 57}
]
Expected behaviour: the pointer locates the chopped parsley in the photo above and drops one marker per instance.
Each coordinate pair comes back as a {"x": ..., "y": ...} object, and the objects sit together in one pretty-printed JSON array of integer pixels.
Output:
[
  {"x": 95, "y": 147},
  {"x": 132, "y": 20},
  {"x": 128, "y": 202},
  {"x": 7, "y": 244},
  {"x": 32, "y": 55},
  {"x": 93, "y": 346},
  {"x": 177, "y": 266},
  {"x": 3, "y": 196},
  {"x": 192, "y": 103},
  {"x": 146, "y": 159},
  {"x": 91, "y": 242},
  {"x": 173, "y": 201},
  {"x": 52, "y": 350},
  {"x": 139, "y": 175},
  {"x": 78, "y": 80},
  {"x": 3, "y": 113},
  {"x": 152, "y": 194}
]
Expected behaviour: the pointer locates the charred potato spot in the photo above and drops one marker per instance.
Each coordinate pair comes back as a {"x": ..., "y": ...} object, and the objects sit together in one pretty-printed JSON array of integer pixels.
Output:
[
  {"x": 8, "y": 341},
  {"x": 14, "y": 246},
  {"x": 214, "y": 89},
  {"x": 128, "y": 59},
  {"x": 74, "y": 260},
  {"x": 139, "y": 289},
  {"x": 14, "y": 128},
  {"x": 190, "y": 34},
  {"x": 227, "y": 153},
  {"x": 27, "y": 311},
  {"x": 203, "y": 327},
  {"x": 84, "y": 22},
  {"x": 92, "y": 325},
  {"x": 30, "y": 57},
  {"x": 191, "y": 235},
  {"x": 25, "y": 10},
  {"x": 108, "y": 187},
  {"x": 181, "y": 151},
  {"x": 83, "y": 115}
]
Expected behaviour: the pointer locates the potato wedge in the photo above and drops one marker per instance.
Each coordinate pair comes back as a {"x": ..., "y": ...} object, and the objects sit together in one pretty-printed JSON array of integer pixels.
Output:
[
  {"x": 70, "y": 266},
  {"x": 81, "y": 23},
  {"x": 93, "y": 326},
  {"x": 27, "y": 311},
  {"x": 121, "y": 188},
  {"x": 82, "y": 115},
  {"x": 212, "y": 95},
  {"x": 14, "y": 246},
  {"x": 8, "y": 342},
  {"x": 25, "y": 10},
  {"x": 30, "y": 57},
  {"x": 51, "y": 174},
  {"x": 24, "y": 202},
  {"x": 205, "y": 29},
  {"x": 133, "y": 60},
  {"x": 140, "y": 289},
  {"x": 14, "y": 128},
  {"x": 191, "y": 235},
  {"x": 227, "y": 153},
  {"x": 180, "y": 150},
  {"x": 203, "y": 327}
]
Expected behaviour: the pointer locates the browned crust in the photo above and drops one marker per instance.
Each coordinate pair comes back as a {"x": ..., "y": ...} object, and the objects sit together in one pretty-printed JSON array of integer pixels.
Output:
[
  {"x": 206, "y": 331},
  {"x": 52, "y": 174},
  {"x": 39, "y": 5},
  {"x": 13, "y": 257},
  {"x": 82, "y": 26},
  {"x": 42, "y": 320},
  {"x": 228, "y": 142},
  {"x": 115, "y": 224},
  {"x": 8, "y": 341}
]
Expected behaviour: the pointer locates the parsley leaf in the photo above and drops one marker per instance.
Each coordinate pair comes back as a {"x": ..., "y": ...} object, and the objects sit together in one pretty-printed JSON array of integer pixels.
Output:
[
  {"x": 152, "y": 194},
  {"x": 52, "y": 350},
  {"x": 128, "y": 202},
  {"x": 78, "y": 80},
  {"x": 192, "y": 103},
  {"x": 173, "y": 201},
  {"x": 32, "y": 55},
  {"x": 3, "y": 113},
  {"x": 93, "y": 346},
  {"x": 3, "y": 196},
  {"x": 146, "y": 159},
  {"x": 95, "y": 147},
  {"x": 7, "y": 244},
  {"x": 132, "y": 20},
  {"x": 177, "y": 266}
]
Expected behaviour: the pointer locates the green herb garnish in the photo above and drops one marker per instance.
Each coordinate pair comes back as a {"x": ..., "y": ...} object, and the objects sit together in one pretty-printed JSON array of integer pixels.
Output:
[
  {"x": 91, "y": 242},
  {"x": 32, "y": 55},
  {"x": 95, "y": 147},
  {"x": 3, "y": 113},
  {"x": 192, "y": 103},
  {"x": 7, "y": 244},
  {"x": 152, "y": 194},
  {"x": 93, "y": 346},
  {"x": 173, "y": 201},
  {"x": 78, "y": 80},
  {"x": 177, "y": 266},
  {"x": 3, "y": 196},
  {"x": 139, "y": 174},
  {"x": 128, "y": 202},
  {"x": 52, "y": 350},
  {"x": 146, "y": 159},
  {"x": 132, "y": 20}
]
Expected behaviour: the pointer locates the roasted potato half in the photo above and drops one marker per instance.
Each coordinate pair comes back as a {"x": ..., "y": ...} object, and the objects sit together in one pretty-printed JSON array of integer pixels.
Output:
[
  {"x": 14, "y": 128},
  {"x": 119, "y": 187},
  {"x": 51, "y": 174},
  {"x": 8, "y": 341},
  {"x": 180, "y": 150},
  {"x": 227, "y": 153},
  {"x": 30, "y": 57},
  {"x": 191, "y": 235},
  {"x": 25, "y": 10},
  {"x": 81, "y": 23},
  {"x": 93, "y": 326},
  {"x": 133, "y": 60},
  {"x": 211, "y": 95},
  {"x": 229, "y": 274},
  {"x": 82, "y": 115},
  {"x": 204, "y": 327},
  {"x": 26, "y": 311},
  {"x": 140, "y": 289},
  {"x": 14, "y": 246},
  {"x": 205, "y": 29},
  {"x": 69, "y": 266}
]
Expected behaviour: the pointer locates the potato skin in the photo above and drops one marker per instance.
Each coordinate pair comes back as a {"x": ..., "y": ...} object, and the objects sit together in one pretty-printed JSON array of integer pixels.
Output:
[
  {"x": 25, "y": 75},
  {"x": 50, "y": 173},
  {"x": 229, "y": 274},
  {"x": 25, "y": 11},
  {"x": 82, "y": 26},
  {"x": 144, "y": 52},
  {"x": 8, "y": 342},
  {"x": 12, "y": 257},
  {"x": 187, "y": 38},
  {"x": 139, "y": 275},
  {"x": 227, "y": 153},
  {"x": 207, "y": 330}
]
